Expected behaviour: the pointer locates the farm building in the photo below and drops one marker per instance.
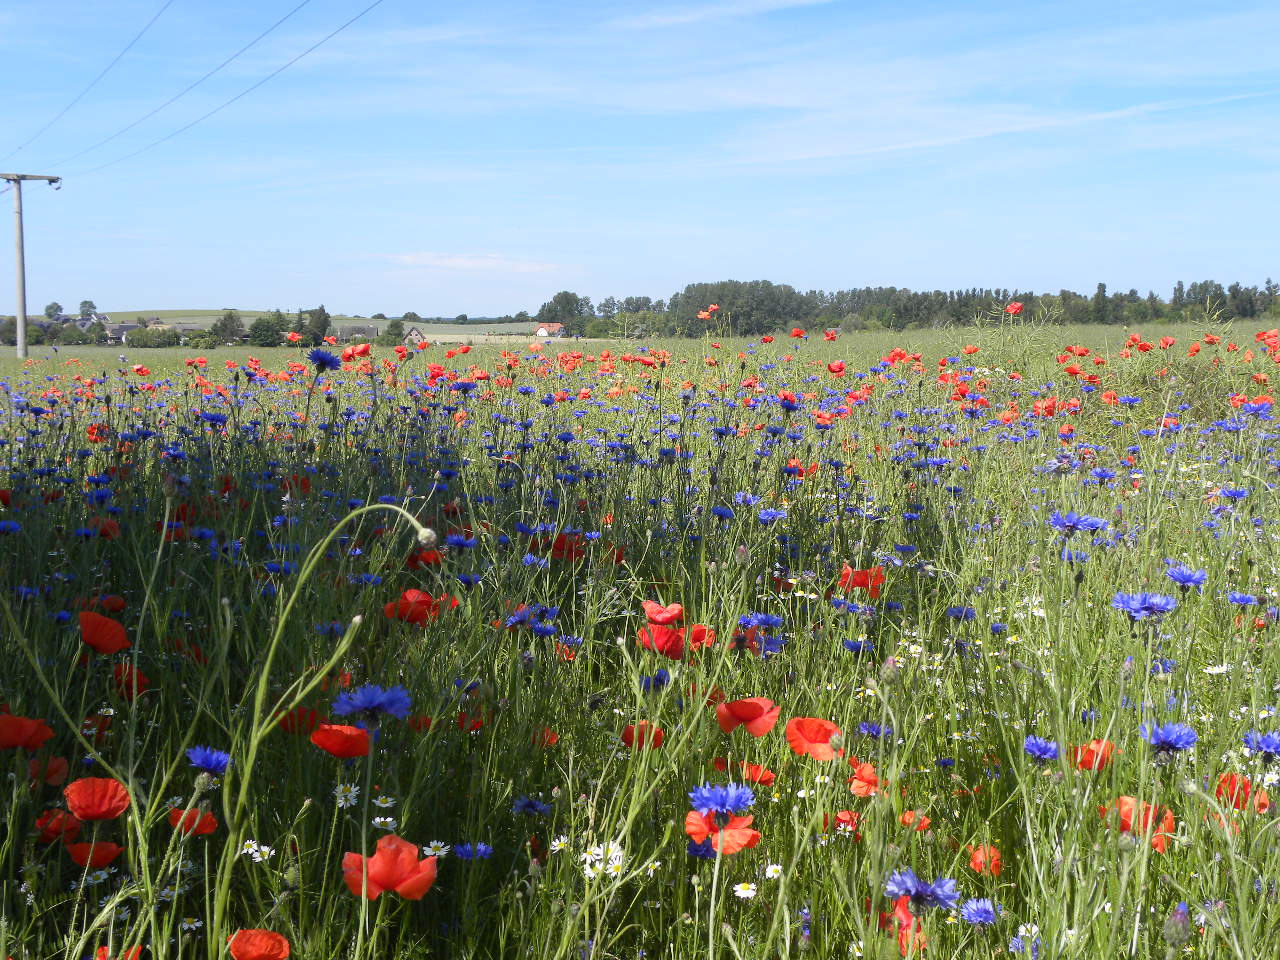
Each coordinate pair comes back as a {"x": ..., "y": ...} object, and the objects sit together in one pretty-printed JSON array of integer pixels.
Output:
[{"x": 549, "y": 330}]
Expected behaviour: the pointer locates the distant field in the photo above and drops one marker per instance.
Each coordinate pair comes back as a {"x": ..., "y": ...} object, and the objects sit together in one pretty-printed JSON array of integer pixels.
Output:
[
  {"x": 1000, "y": 347},
  {"x": 206, "y": 317}
]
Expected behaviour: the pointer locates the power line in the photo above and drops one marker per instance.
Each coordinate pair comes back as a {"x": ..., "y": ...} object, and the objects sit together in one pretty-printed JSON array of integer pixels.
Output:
[
  {"x": 186, "y": 90},
  {"x": 243, "y": 93},
  {"x": 93, "y": 83}
]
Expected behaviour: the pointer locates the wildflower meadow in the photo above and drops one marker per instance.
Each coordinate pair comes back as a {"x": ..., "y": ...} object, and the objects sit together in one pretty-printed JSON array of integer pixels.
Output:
[{"x": 815, "y": 644}]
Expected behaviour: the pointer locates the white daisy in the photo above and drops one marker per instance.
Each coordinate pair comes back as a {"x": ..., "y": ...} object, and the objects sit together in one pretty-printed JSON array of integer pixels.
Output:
[{"x": 744, "y": 891}]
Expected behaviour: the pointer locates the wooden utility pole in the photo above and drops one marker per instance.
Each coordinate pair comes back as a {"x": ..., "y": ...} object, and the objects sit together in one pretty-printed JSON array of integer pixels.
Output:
[{"x": 20, "y": 319}]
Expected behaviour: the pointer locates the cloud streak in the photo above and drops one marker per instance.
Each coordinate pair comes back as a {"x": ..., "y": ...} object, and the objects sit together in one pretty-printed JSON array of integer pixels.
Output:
[{"x": 730, "y": 9}]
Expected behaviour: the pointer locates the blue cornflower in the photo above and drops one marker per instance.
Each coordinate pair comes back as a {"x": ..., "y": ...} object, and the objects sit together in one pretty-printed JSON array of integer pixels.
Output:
[
  {"x": 1186, "y": 578},
  {"x": 961, "y": 613},
  {"x": 724, "y": 513},
  {"x": 1040, "y": 749},
  {"x": 1267, "y": 744},
  {"x": 704, "y": 850},
  {"x": 473, "y": 851},
  {"x": 1072, "y": 522},
  {"x": 721, "y": 799},
  {"x": 1018, "y": 944},
  {"x": 1241, "y": 599},
  {"x": 768, "y": 515},
  {"x": 530, "y": 806},
  {"x": 905, "y": 883},
  {"x": 656, "y": 682},
  {"x": 209, "y": 759},
  {"x": 1169, "y": 737},
  {"x": 980, "y": 912},
  {"x": 1140, "y": 606},
  {"x": 1163, "y": 665},
  {"x": 860, "y": 646},
  {"x": 323, "y": 360},
  {"x": 875, "y": 730},
  {"x": 372, "y": 700},
  {"x": 999, "y": 628}
]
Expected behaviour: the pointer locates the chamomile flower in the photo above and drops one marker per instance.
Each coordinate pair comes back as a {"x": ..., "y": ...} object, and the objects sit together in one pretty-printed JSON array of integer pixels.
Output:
[
  {"x": 346, "y": 795},
  {"x": 436, "y": 848},
  {"x": 385, "y": 823},
  {"x": 773, "y": 871},
  {"x": 744, "y": 891}
]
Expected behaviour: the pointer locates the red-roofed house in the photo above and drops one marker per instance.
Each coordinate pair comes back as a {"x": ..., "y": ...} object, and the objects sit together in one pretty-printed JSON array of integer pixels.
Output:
[{"x": 549, "y": 330}]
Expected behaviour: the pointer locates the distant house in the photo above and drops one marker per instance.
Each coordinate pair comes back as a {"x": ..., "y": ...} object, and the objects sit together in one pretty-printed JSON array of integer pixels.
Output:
[
  {"x": 347, "y": 334},
  {"x": 119, "y": 332},
  {"x": 549, "y": 330},
  {"x": 414, "y": 335}
]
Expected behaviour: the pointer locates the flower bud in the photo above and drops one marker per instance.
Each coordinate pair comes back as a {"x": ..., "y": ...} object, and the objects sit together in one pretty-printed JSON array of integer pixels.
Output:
[{"x": 1177, "y": 926}]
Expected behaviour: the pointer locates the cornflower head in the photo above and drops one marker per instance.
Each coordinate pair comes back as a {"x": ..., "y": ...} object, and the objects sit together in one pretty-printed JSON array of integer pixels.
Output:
[
  {"x": 1168, "y": 738},
  {"x": 940, "y": 893},
  {"x": 371, "y": 701},
  {"x": 209, "y": 760},
  {"x": 1040, "y": 749}
]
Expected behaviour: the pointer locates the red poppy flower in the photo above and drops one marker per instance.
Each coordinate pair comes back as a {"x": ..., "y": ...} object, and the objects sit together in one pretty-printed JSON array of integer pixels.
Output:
[
  {"x": 95, "y": 856},
  {"x": 766, "y": 339},
  {"x": 394, "y": 867},
  {"x": 846, "y": 822},
  {"x": 665, "y": 616},
  {"x": 869, "y": 579},
  {"x": 1013, "y": 309},
  {"x": 96, "y": 798},
  {"x": 414, "y": 606},
  {"x": 914, "y": 818},
  {"x": 796, "y": 333},
  {"x": 671, "y": 641},
  {"x": 48, "y": 770},
  {"x": 258, "y": 945},
  {"x": 755, "y": 773},
  {"x": 197, "y": 822},
  {"x": 1159, "y": 823},
  {"x": 104, "y": 635},
  {"x": 864, "y": 782},
  {"x": 643, "y": 736},
  {"x": 812, "y": 736},
  {"x": 984, "y": 859},
  {"x": 341, "y": 741},
  {"x": 104, "y": 953},
  {"x": 24, "y": 732},
  {"x": 727, "y": 839},
  {"x": 57, "y": 825},
  {"x": 757, "y": 714},
  {"x": 1094, "y": 755},
  {"x": 299, "y": 720},
  {"x": 1235, "y": 790},
  {"x": 130, "y": 682}
]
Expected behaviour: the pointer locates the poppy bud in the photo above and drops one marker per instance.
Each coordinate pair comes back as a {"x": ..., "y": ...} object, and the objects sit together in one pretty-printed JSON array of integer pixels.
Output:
[
  {"x": 836, "y": 742},
  {"x": 428, "y": 537}
]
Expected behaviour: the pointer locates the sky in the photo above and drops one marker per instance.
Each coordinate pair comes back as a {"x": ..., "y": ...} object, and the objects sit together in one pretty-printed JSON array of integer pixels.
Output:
[{"x": 476, "y": 158}]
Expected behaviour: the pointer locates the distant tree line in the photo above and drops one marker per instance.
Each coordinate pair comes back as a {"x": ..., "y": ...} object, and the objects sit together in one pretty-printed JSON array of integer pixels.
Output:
[{"x": 756, "y": 307}]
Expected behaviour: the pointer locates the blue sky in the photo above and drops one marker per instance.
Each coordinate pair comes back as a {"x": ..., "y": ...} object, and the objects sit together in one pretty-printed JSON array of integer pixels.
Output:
[{"x": 479, "y": 157}]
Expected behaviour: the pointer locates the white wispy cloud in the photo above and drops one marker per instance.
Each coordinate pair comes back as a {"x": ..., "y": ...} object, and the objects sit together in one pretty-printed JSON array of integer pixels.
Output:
[
  {"x": 495, "y": 263},
  {"x": 728, "y": 9}
]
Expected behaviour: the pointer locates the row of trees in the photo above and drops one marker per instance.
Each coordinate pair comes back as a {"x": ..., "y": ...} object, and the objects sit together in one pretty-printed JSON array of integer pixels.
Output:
[{"x": 759, "y": 306}]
